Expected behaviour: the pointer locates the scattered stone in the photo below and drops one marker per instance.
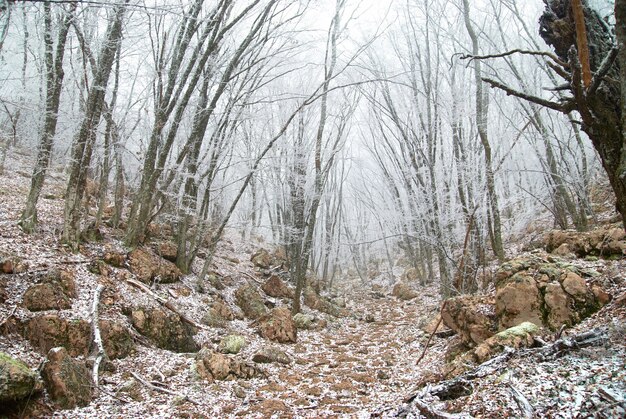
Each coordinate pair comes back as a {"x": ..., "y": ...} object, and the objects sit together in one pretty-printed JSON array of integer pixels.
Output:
[
  {"x": 278, "y": 326},
  {"x": 404, "y": 292},
  {"x": 17, "y": 380},
  {"x": 250, "y": 301},
  {"x": 232, "y": 344},
  {"x": 303, "y": 321},
  {"x": 275, "y": 287},
  {"x": 472, "y": 317},
  {"x": 49, "y": 330},
  {"x": 165, "y": 329},
  {"x": 4, "y": 295},
  {"x": 148, "y": 266},
  {"x": 12, "y": 265},
  {"x": 262, "y": 259},
  {"x": 270, "y": 354},
  {"x": 313, "y": 300},
  {"x": 115, "y": 259},
  {"x": 212, "y": 365},
  {"x": 410, "y": 275},
  {"x": 132, "y": 389},
  {"x": 67, "y": 381}
]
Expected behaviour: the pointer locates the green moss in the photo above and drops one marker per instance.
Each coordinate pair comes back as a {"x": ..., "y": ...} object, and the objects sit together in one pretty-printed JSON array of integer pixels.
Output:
[
  {"x": 521, "y": 330},
  {"x": 17, "y": 380},
  {"x": 232, "y": 344}
]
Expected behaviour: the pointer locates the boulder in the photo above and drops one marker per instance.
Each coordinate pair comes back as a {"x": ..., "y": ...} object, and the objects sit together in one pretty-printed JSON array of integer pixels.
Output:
[
  {"x": 270, "y": 354},
  {"x": 275, "y": 287},
  {"x": 42, "y": 297},
  {"x": 116, "y": 338},
  {"x": 313, "y": 300},
  {"x": 473, "y": 318},
  {"x": 232, "y": 344},
  {"x": 165, "y": 329},
  {"x": 546, "y": 293},
  {"x": 250, "y": 301},
  {"x": 604, "y": 242},
  {"x": 278, "y": 326},
  {"x": 54, "y": 291},
  {"x": 17, "y": 380},
  {"x": 404, "y": 292},
  {"x": 49, "y": 330},
  {"x": 518, "y": 300},
  {"x": 167, "y": 250},
  {"x": 148, "y": 266},
  {"x": 261, "y": 259},
  {"x": 212, "y": 365},
  {"x": 67, "y": 381}
]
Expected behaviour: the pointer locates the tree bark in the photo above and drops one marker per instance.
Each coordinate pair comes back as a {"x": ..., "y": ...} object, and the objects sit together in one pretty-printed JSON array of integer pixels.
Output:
[
  {"x": 82, "y": 149},
  {"x": 54, "y": 83},
  {"x": 482, "y": 110}
]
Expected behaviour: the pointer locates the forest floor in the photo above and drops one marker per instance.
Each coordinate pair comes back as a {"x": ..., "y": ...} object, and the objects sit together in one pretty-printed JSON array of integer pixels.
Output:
[{"x": 360, "y": 365}]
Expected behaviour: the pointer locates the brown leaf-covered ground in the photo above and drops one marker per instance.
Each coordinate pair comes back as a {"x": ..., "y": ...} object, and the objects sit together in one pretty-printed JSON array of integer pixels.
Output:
[{"x": 360, "y": 365}]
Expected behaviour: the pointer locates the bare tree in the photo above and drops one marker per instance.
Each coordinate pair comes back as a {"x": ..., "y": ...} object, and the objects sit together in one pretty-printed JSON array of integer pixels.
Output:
[
  {"x": 54, "y": 83},
  {"x": 82, "y": 147}
]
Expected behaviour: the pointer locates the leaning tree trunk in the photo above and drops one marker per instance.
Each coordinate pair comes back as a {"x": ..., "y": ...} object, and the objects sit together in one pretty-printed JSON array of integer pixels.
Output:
[{"x": 82, "y": 149}]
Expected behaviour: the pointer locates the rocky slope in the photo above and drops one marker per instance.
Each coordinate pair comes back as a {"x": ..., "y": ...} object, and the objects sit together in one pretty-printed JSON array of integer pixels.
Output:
[{"x": 227, "y": 346}]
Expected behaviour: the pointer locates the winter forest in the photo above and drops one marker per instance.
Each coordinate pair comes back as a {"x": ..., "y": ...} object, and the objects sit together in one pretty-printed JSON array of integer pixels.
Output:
[{"x": 312, "y": 208}]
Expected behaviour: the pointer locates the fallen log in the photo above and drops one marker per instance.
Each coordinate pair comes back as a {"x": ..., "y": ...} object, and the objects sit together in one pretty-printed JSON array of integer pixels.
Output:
[
  {"x": 462, "y": 385},
  {"x": 97, "y": 338}
]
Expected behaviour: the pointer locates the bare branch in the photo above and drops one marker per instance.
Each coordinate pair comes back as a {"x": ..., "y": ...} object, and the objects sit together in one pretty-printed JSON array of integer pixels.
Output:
[
  {"x": 565, "y": 107},
  {"x": 605, "y": 66},
  {"x": 553, "y": 57}
]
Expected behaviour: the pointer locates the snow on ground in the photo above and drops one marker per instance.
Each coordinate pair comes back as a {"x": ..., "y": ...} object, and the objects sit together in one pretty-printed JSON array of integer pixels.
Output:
[{"x": 361, "y": 365}]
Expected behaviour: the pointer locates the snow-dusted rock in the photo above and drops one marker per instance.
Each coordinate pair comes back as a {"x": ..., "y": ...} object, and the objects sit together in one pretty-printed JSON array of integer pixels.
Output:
[{"x": 67, "y": 381}]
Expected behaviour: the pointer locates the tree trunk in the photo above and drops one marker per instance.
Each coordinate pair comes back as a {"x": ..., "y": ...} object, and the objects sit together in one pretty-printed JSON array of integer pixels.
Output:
[
  {"x": 82, "y": 149},
  {"x": 54, "y": 83},
  {"x": 601, "y": 104},
  {"x": 482, "y": 110}
]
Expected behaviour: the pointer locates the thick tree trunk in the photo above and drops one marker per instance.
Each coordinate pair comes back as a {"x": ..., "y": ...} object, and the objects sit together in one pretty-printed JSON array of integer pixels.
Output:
[{"x": 600, "y": 106}]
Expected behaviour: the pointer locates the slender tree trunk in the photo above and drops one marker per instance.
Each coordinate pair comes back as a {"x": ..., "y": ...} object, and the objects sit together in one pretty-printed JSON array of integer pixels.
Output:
[
  {"x": 54, "y": 83},
  {"x": 482, "y": 110}
]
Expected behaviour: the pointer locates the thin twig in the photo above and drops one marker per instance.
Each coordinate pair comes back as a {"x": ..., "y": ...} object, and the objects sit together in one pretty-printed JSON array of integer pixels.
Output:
[{"x": 432, "y": 334}]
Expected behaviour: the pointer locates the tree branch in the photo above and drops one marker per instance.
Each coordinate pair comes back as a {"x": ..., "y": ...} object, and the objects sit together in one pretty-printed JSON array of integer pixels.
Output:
[
  {"x": 565, "y": 107},
  {"x": 97, "y": 338},
  {"x": 553, "y": 57}
]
